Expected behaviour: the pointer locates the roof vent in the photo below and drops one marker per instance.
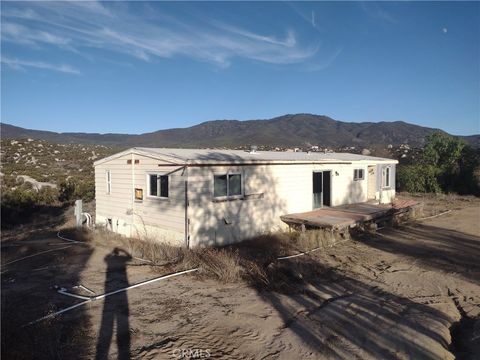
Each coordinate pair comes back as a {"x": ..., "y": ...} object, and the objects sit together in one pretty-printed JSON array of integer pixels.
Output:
[{"x": 253, "y": 149}]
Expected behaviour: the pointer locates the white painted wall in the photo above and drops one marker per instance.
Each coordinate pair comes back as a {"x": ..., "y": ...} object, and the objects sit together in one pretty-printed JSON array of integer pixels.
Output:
[
  {"x": 153, "y": 218},
  {"x": 284, "y": 189},
  {"x": 270, "y": 191}
]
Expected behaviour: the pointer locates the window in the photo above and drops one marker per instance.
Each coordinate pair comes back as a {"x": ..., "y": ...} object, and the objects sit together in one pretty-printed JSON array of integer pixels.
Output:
[
  {"x": 358, "y": 174},
  {"x": 386, "y": 177},
  {"x": 158, "y": 185},
  {"x": 227, "y": 185},
  {"x": 108, "y": 176}
]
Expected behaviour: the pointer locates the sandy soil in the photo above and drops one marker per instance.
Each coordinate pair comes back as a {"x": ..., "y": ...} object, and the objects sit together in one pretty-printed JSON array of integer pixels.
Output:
[{"x": 404, "y": 293}]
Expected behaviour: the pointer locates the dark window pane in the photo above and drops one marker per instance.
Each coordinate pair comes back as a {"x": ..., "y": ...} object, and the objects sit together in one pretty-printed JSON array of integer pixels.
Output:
[
  {"x": 220, "y": 185},
  {"x": 164, "y": 186},
  {"x": 153, "y": 185},
  {"x": 234, "y": 184}
]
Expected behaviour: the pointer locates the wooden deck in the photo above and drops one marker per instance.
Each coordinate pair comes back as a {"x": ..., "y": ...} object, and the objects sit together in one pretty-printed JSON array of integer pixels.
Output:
[{"x": 344, "y": 216}]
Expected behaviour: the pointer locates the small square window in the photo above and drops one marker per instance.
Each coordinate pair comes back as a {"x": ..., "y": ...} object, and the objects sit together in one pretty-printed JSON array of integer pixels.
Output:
[
  {"x": 158, "y": 185},
  {"x": 227, "y": 185},
  {"x": 358, "y": 174}
]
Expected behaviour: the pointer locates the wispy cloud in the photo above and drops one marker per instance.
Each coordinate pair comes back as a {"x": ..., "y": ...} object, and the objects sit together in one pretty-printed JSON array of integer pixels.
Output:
[
  {"x": 21, "y": 64},
  {"x": 23, "y": 35},
  {"x": 376, "y": 11},
  {"x": 78, "y": 26}
]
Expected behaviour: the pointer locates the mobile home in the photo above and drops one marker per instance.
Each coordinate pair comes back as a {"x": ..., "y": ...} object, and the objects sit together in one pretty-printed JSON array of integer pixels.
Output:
[{"x": 199, "y": 197}]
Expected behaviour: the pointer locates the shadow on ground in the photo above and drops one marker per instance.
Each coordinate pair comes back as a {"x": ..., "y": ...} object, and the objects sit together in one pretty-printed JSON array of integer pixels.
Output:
[
  {"x": 28, "y": 294},
  {"x": 341, "y": 317},
  {"x": 436, "y": 248}
]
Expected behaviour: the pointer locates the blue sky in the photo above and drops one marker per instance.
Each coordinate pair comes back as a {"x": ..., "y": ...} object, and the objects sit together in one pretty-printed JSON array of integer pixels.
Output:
[{"x": 143, "y": 66}]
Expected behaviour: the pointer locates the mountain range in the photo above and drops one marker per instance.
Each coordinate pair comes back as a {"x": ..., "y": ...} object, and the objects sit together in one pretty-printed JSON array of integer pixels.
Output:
[{"x": 283, "y": 131}]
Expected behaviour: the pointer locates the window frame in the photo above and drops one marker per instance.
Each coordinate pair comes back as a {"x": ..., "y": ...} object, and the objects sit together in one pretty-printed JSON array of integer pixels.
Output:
[
  {"x": 229, "y": 197},
  {"x": 158, "y": 175},
  {"x": 386, "y": 178},
  {"x": 357, "y": 178},
  {"x": 108, "y": 182}
]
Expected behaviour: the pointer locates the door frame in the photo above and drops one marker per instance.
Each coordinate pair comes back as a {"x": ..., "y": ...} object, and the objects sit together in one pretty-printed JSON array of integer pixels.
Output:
[{"x": 323, "y": 193}]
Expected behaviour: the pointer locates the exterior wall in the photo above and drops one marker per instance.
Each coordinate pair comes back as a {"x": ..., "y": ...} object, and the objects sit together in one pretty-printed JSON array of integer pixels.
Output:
[
  {"x": 161, "y": 219},
  {"x": 117, "y": 204},
  {"x": 270, "y": 191},
  {"x": 215, "y": 222}
]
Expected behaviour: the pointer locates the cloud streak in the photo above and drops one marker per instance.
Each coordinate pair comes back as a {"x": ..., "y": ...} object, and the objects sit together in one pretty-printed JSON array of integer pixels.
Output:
[
  {"x": 22, "y": 64},
  {"x": 79, "y": 26}
]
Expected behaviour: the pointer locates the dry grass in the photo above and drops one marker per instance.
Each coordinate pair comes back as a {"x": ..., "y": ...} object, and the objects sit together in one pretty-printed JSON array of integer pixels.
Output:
[
  {"x": 252, "y": 261},
  {"x": 434, "y": 204}
]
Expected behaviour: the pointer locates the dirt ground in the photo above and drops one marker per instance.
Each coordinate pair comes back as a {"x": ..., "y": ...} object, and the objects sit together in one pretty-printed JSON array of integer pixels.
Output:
[{"x": 409, "y": 292}]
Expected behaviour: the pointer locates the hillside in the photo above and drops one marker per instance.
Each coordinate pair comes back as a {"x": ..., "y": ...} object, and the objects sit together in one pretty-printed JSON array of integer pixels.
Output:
[{"x": 283, "y": 131}]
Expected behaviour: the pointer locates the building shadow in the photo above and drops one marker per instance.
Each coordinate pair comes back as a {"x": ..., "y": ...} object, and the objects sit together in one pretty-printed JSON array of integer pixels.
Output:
[
  {"x": 340, "y": 317},
  {"x": 115, "y": 308},
  {"x": 442, "y": 249}
]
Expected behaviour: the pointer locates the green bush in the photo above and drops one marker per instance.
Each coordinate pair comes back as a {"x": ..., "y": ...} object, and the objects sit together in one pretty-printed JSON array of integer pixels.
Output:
[
  {"x": 17, "y": 204},
  {"x": 85, "y": 190},
  {"x": 418, "y": 178},
  {"x": 73, "y": 189}
]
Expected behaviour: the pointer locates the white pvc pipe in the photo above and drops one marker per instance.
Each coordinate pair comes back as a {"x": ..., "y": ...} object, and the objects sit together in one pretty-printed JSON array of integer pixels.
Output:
[
  {"x": 69, "y": 240},
  {"x": 99, "y": 297},
  {"x": 309, "y": 251},
  {"x": 84, "y": 288},
  {"x": 89, "y": 218},
  {"x": 40, "y": 253},
  {"x": 434, "y": 216},
  {"x": 74, "y": 295}
]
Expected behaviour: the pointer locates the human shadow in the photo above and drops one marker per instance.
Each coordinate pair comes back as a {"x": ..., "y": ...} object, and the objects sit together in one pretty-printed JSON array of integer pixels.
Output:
[{"x": 115, "y": 308}]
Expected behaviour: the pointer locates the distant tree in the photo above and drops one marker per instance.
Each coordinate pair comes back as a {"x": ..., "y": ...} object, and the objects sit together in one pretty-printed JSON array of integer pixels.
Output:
[
  {"x": 47, "y": 196},
  {"x": 448, "y": 164},
  {"x": 85, "y": 190},
  {"x": 417, "y": 178},
  {"x": 442, "y": 150}
]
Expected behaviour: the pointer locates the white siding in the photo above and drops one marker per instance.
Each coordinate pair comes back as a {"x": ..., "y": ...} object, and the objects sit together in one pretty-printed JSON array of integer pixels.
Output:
[
  {"x": 270, "y": 191},
  {"x": 116, "y": 205},
  {"x": 161, "y": 219},
  {"x": 284, "y": 189}
]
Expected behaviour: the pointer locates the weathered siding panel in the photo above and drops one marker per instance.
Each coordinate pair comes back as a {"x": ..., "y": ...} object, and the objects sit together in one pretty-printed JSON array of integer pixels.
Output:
[
  {"x": 270, "y": 191},
  {"x": 155, "y": 218}
]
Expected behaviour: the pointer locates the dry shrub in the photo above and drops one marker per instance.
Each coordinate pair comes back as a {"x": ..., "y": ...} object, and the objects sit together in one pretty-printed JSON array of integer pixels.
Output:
[
  {"x": 254, "y": 261},
  {"x": 220, "y": 264}
]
